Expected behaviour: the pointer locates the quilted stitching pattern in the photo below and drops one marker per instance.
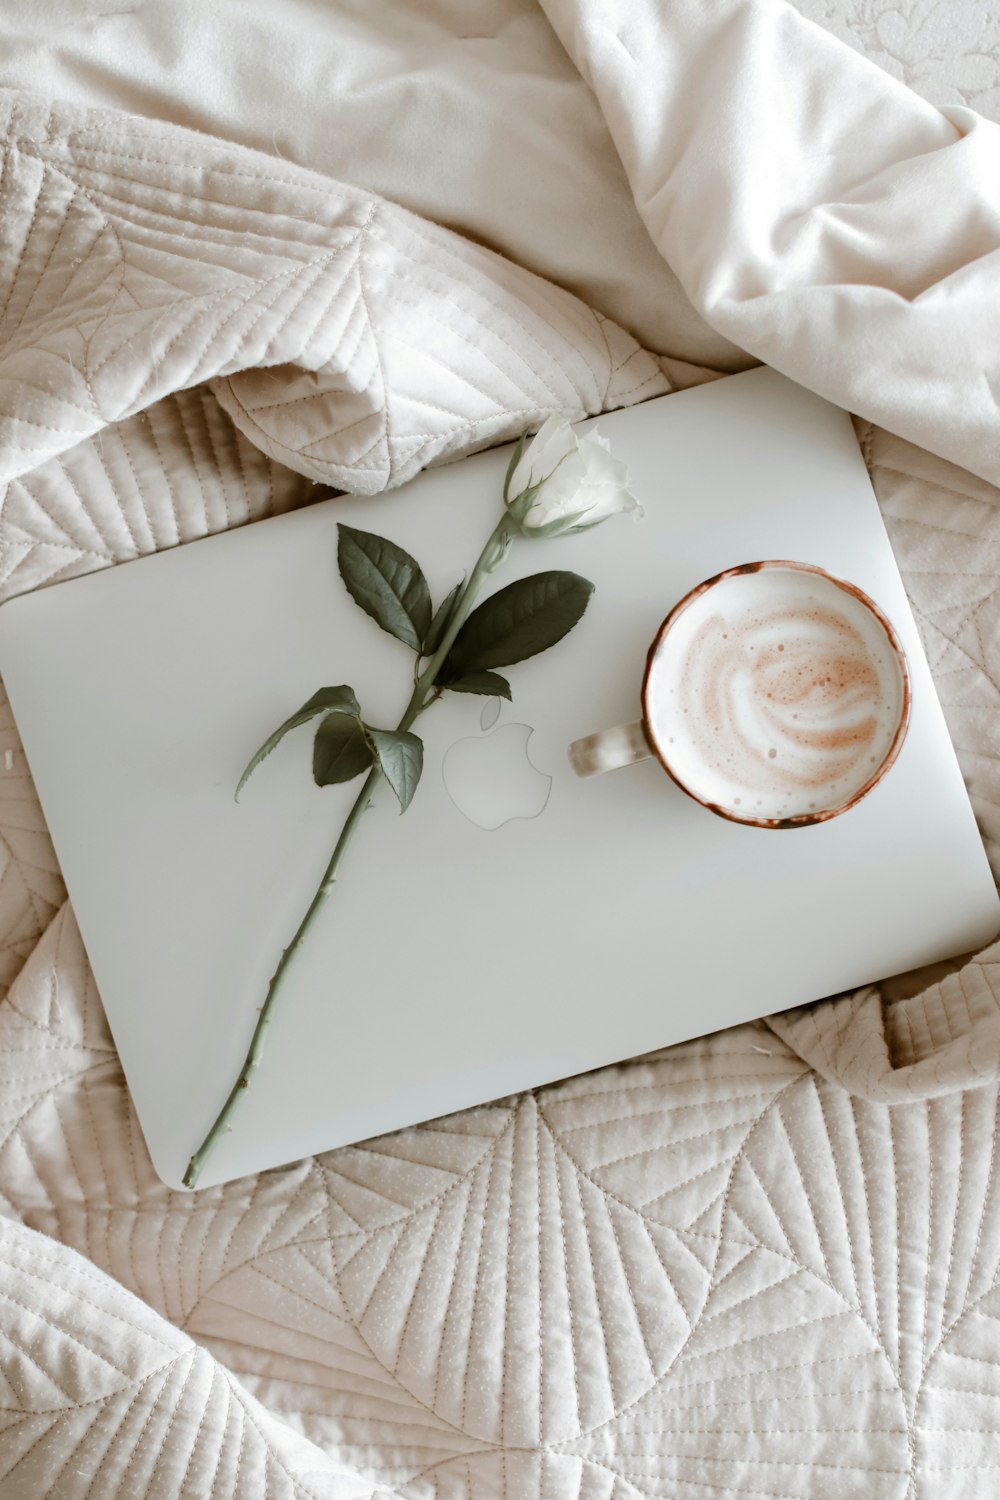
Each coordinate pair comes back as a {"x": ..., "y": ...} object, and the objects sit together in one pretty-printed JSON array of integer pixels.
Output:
[
  {"x": 116, "y": 1395},
  {"x": 944, "y": 525},
  {"x": 175, "y": 472},
  {"x": 31, "y": 888},
  {"x": 139, "y": 262},
  {"x": 709, "y": 1271}
]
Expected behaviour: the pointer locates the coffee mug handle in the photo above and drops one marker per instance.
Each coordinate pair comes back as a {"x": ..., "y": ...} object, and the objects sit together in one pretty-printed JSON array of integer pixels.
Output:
[{"x": 609, "y": 749}]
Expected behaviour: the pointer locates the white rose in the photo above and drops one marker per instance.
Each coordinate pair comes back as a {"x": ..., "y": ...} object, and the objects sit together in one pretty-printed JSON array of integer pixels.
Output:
[{"x": 562, "y": 483}]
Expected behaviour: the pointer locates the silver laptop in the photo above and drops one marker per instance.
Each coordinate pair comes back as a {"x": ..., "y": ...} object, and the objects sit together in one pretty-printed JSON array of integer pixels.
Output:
[{"x": 518, "y": 925}]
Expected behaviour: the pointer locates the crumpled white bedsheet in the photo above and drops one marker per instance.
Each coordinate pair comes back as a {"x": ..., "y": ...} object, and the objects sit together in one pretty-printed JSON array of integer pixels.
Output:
[
  {"x": 765, "y": 1263},
  {"x": 867, "y": 272},
  {"x": 474, "y": 118},
  {"x": 471, "y": 116}
]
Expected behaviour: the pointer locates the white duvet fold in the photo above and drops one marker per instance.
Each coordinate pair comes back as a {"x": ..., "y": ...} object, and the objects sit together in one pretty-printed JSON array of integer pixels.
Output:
[{"x": 816, "y": 212}]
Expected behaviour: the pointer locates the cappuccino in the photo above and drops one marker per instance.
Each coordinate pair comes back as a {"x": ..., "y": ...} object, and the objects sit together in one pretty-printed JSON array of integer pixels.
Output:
[{"x": 776, "y": 694}]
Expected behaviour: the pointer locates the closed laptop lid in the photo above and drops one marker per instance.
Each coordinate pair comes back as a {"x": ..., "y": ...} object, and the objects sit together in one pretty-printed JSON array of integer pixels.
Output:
[{"x": 517, "y": 924}]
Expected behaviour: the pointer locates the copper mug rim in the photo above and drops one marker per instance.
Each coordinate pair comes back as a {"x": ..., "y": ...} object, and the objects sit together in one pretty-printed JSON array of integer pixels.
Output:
[{"x": 802, "y": 820}]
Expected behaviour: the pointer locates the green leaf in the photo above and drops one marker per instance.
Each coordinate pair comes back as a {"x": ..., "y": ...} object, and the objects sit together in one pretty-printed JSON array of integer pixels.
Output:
[
  {"x": 340, "y": 750},
  {"x": 441, "y": 620},
  {"x": 524, "y": 618},
  {"x": 335, "y": 699},
  {"x": 489, "y": 684},
  {"x": 386, "y": 582},
  {"x": 401, "y": 757}
]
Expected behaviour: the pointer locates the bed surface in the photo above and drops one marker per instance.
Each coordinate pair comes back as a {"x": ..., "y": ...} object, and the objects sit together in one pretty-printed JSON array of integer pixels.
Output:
[
  {"x": 765, "y": 1263},
  {"x": 471, "y": 116}
]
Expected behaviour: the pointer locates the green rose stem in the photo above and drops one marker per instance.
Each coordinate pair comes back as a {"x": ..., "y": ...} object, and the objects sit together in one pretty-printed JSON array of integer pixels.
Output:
[{"x": 490, "y": 559}]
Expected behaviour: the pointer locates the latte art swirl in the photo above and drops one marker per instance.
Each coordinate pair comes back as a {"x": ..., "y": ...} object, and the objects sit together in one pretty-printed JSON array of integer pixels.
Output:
[
  {"x": 776, "y": 695},
  {"x": 794, "y": 690}
]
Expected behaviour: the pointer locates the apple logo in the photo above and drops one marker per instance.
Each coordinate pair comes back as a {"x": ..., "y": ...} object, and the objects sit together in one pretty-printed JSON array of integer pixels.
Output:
[{"x": 490, "y": 777}]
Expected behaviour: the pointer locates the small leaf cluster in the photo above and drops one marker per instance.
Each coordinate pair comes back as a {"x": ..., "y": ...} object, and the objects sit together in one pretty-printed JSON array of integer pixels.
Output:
[
  {"x": 524, "y": 618},
  {"x": 519, "y": 621},
  {"x": 345, "y": 746}
]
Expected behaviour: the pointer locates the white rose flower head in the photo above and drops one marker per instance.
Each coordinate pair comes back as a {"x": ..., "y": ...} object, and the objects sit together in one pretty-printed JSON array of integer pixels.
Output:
[{"x": 561, "y": 483}]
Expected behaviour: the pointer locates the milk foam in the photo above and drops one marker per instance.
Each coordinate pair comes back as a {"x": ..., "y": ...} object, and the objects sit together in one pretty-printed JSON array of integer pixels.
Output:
[{"x": 775, "y": 694}]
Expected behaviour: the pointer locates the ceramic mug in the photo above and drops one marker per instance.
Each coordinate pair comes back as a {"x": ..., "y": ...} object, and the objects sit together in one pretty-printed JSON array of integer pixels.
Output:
[{"x": 775, "y": 694}]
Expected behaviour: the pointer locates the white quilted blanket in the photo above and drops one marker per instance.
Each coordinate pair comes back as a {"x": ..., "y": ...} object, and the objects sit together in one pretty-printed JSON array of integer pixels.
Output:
[{"x": 766, "y": 1264}]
